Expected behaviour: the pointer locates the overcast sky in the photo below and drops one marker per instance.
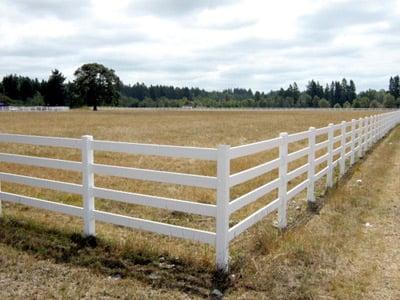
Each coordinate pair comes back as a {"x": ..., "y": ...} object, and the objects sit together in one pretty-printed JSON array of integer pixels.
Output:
[{"x": 261, "y": 45}]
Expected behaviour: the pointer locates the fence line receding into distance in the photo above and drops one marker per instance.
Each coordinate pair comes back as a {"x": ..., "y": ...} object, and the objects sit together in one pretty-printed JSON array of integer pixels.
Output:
[{"x": 355, "y": 138}]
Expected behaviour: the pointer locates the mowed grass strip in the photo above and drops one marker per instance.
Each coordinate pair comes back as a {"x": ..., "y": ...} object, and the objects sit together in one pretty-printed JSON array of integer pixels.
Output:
[{"x": 203, "y": 129}]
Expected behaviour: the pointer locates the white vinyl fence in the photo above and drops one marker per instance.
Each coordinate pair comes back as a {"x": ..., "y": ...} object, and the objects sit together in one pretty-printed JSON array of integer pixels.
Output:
[
  {"x": 355, "y": 138},
  {"x": 34, "y": 108}
]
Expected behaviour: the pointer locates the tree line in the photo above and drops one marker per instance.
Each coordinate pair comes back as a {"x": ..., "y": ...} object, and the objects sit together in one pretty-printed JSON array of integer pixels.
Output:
[{"x": 94, "y": 85}]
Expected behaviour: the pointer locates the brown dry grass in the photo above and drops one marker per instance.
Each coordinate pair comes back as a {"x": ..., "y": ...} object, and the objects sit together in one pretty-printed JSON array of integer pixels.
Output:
[
  {"x": 334, "y": 254},
  {"x": 176, "y": 128}
]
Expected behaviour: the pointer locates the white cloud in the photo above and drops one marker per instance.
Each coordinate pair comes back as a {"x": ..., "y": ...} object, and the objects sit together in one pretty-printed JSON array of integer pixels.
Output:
[{"x": 212, "y": 44}]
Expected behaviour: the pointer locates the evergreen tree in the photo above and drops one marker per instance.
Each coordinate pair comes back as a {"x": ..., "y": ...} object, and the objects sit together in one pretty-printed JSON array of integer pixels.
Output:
[
  {"x": 394, "y": 86},
  {"x": 10, "y": 86},
  {"x": 26, "y": 88},
  {"x": 351, "y": 91},
  {"x": 55, "y": 89}
]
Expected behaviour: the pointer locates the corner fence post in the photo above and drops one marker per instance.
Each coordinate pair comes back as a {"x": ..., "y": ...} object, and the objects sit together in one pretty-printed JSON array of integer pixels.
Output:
[
  {"x": 283, "y": 162},
  {"x": 329, "y": 177},
  {"x": 87, "y": 184},
  {"x": 353, "y": 137},
  {"x": 342, "y": 162},
  {"x": 222, "y": 218},
  {"x": 311, "y": 165}
]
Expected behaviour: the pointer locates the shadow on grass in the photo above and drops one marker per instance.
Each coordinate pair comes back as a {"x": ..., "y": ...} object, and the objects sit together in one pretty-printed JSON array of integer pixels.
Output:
[{"x": 106, "y": 258}]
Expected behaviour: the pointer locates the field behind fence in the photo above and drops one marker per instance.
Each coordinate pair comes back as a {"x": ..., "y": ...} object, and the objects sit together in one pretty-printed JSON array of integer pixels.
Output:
[{"x": 327, "y": 148}]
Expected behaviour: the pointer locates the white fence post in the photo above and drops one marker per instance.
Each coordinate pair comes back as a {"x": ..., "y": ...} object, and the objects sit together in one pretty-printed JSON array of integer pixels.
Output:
[
  {"x": 1, "y": 208},
  {"x": 364, "y": 134},
  {"x": 311, "y": 165},
  {"x": 283, "y": 162},
  {"x": 342, "y": 161},
  {"x": 87, "y": 184},
  {"x": 360, "y": 137},
  {"x": 353, "y": 137},
  {"x": 373, "y": 129},
  {"x": 222, "y": 219},
  {"x": 369, "y": 132},
  {"x": 329, "y": 177}
]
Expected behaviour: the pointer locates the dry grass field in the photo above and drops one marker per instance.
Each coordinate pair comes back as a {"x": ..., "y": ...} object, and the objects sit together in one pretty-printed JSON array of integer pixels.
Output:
[{"x": 151, "y": 259}]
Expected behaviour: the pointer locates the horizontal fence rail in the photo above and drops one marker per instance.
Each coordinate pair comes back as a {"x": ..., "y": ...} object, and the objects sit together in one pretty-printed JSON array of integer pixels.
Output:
[
  {"x": 342, "y": 144},
  {"x": 34, "y": 108}
]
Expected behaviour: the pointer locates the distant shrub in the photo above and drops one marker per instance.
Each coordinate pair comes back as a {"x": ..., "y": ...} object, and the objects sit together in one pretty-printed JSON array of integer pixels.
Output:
[
  {"x": 375, "y": 104},
  {"x": 5, "y": 100},
  {"x": 337, "y": 105},
  {"x": 347, "y": 104},
  {"x": 323, "y": 103},
  {"x": 37, "y": 100},
  {"x": 389, "y": 101}
]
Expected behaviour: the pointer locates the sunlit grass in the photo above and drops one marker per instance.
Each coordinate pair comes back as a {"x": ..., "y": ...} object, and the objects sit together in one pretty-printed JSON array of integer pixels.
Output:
[{"x": 202, "y": 129}]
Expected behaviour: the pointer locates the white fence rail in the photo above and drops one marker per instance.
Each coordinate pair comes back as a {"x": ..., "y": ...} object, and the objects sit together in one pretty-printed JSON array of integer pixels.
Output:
[
  {"x": 34, "y": 108},
  {"x": 355, "y": 138}
]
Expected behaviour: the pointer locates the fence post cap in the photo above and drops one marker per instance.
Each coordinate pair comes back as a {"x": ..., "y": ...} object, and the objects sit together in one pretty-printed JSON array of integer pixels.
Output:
[{"x": 87, "y": 137}]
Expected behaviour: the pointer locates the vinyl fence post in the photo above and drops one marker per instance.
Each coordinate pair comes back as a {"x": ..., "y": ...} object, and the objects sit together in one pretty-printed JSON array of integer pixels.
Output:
[
  {"x": 1, "y": 209},
  {"x": 329, "y": 177},
  {"x": 311, "y": 165},
  {"x": 88, "y": 183},
  {"x": 366, "y": 134},
  {"x": 365, "y": 130},
  {"x": 360, "y": 137},
  {"x": 222, "y": 219},
  {"x": 353, "y": 137},
  {"x": 342, "y": 161},
  {"x": 369, "y": 133},
  {"x": 282, "y": 193},
  {"x": 380, "y": 123},
  {"x": 374, "y": 126}
]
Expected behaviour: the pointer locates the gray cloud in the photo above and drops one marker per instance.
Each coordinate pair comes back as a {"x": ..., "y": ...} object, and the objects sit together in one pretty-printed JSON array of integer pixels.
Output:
[
  {"x": 172, "y": 8},
  {"x": 173, "y": 47},
  {"x": 62, "y": 9}
]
